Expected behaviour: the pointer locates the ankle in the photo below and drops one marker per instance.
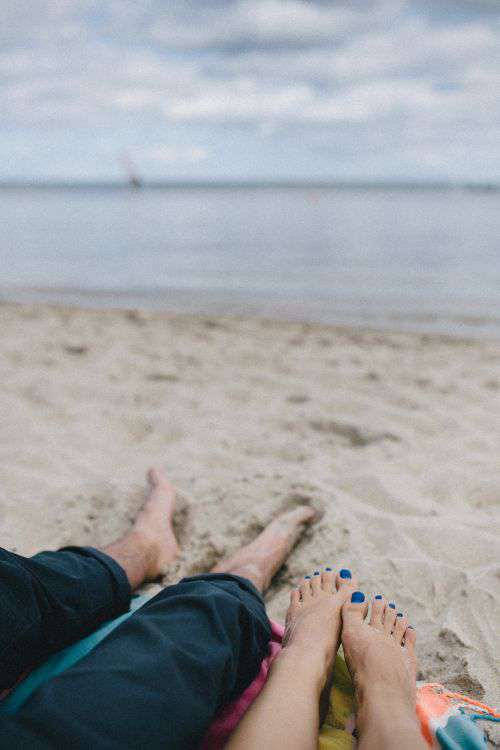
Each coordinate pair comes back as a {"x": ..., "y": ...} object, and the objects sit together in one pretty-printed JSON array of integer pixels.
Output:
[
  {"x": 310, "y": 661},
  {"x": 312, "y": 670},
  {"x": 387, "y": 715},
  {"x": 373, "y": 689},
  {"x": 146, "y": 550}
]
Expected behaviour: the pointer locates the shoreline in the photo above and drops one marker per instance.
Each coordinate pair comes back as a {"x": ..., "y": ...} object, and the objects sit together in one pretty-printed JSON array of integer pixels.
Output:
[
  {"x": 392, "y": 436},
  {"x": 238, "y": 303}
]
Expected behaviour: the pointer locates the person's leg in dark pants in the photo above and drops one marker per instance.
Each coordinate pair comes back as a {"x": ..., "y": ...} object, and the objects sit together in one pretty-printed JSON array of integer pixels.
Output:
[
  {"x": 55, "y": 598},
  {"x": 51, "y": 600},
  {"x": 160, "y": 678}
]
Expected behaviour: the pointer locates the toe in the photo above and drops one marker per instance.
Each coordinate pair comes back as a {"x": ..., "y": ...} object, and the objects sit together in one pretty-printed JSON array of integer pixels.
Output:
[
  {"x": 316, "y": 582},
  {"x": 155, "y": 476},
  {"x": 305, "y": 588},
  {"x": 389, "y": 617},
  {"x": 400, "y": 627},
  {"x": 302, "y": 514},
  {"x": 354, "y": 609},
  {"x": 294, "y": 606},
  {"x": 327, "y": 580},
  {"x": 345, "y": 578},
  {"x": 377, "y": 614},
  {"x": 294, "y": 599},
  {"x": 410, "y": 639},
  {"x": 158, "y": 480}
]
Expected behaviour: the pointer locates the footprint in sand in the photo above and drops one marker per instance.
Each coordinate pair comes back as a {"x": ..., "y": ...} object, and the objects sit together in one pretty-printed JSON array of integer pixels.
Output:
[
  {"x": 75, "y": 349},
  {"x": 358, "y": 437},
  {"x": 297, "y": 398},
  {"x": 163, "y": 377}
]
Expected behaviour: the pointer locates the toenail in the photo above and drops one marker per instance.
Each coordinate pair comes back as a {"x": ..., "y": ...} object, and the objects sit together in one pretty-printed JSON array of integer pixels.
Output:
[
  {"x": 410, "y": 627},
  {"x": 392, "y": 605},
  {"x": 345, "y": 573},
  {"x": 307, "y": 578},
  {"x": 379, "y": 596},
  {"x": 400, "y": 614},
  {"x": 357, "y": 597},
  {"x": 328, "y": 569},
  {"x": 316, "y": 572}
]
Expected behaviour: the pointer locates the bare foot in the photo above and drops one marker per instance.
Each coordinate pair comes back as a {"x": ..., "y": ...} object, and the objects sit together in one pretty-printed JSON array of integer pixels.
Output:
[
  {"x": 263, "y": 557},
  {"x": 314, "y": 618},
  {"x": 150, "y": 545},
  {"x": 154, "y": 526},
  {"x": 381, "y": 658}
]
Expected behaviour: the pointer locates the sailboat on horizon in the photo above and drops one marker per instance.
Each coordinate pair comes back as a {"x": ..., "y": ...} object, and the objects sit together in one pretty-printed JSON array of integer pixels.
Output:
[{"x": 133, "y": 178}]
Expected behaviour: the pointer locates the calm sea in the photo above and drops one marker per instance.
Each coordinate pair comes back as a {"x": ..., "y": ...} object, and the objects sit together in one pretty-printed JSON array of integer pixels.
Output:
[{"x": 425, "y": 259}]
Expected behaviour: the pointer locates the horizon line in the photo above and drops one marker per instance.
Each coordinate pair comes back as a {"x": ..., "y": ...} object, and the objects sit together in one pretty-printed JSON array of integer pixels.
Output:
[{"x": 255, "y": 183}]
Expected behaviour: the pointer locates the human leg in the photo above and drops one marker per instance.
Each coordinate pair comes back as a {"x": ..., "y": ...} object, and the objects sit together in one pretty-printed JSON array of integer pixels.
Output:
[
  {"x": 262, "y": 558},
  {"x": 55, "y": 598},
  {"x": 51, "y": 600},
  {"x": 161, "y": 677},
  {"x": 150, "y": 546},
  {"x": 381, "y": 658},
  {"x": 287, "y": 711}
]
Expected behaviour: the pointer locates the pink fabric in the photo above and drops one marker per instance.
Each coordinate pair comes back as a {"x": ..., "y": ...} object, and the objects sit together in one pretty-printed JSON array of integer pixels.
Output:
[{"x": 227, "y": 720}]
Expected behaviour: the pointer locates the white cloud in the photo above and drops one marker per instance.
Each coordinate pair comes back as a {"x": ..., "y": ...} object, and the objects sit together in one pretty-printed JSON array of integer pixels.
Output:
[
  {"x": 268, "y": 66},
  {"x": 240, "y": 99}
]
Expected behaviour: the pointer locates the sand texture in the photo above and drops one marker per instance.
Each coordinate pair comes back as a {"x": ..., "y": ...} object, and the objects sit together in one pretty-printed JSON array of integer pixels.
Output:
[{"x": 394, "y": 437}]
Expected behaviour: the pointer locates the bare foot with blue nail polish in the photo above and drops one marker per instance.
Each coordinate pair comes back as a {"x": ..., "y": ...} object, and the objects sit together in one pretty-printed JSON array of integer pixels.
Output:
[
  {"x": 380, "y": 654},
  {"x": 314, "y": 619}
]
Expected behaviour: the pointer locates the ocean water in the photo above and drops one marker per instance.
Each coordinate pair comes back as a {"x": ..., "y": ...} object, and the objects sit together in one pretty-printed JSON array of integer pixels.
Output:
[{"x": 424, "y": 259}]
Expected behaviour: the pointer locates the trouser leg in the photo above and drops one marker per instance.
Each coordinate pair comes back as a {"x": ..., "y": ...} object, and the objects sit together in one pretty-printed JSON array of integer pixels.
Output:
[
  {"x": 160, "y": 678},
  {"x": 53, "y": 599}
]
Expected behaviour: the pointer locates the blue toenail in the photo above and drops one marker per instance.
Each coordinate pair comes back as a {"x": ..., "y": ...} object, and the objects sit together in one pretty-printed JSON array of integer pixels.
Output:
[
  {"x": 379, "y": 596},
  {"x": 392, "y": 605},
  {"x": 357, "y": 596},
  {"x": 308, "y": 578},
  {"x": 316, "y": 572},
  {"x": 410, "y": 627},
  {"x": 328, "y": 569},
  {"x": 345, "y": 573},
  {"x": 400, "y": 614}
]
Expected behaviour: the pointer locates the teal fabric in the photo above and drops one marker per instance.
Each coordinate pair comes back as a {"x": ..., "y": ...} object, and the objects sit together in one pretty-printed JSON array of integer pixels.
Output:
[
  {"x": 62, "y": 661},
  {"x": 460, "y": 733}
]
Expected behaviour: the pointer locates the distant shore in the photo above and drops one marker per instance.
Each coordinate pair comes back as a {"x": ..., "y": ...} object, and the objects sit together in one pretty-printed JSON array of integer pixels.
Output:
[
  {"x": 393, "y": 437},
  {"x": 250, "y": 184}
]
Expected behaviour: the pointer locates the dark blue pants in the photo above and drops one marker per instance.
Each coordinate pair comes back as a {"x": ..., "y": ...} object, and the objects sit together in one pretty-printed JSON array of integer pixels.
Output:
[{"x": 157, "y": 681}]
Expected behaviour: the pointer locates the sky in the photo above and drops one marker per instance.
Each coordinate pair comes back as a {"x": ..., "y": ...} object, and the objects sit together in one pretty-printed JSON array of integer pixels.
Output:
[{"x": 250, "y": 89}]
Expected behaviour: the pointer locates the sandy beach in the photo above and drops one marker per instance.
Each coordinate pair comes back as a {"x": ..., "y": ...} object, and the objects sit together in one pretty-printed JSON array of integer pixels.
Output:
[{"x": 393, "y": 437}]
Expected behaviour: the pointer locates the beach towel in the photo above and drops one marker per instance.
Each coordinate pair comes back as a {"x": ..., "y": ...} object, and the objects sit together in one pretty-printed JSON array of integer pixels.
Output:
[{"x": 448, "y": 720}]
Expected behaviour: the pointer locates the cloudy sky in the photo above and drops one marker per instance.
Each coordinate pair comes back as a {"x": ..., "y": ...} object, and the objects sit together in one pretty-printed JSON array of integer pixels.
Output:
[{"x": 250, "y": 89}]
